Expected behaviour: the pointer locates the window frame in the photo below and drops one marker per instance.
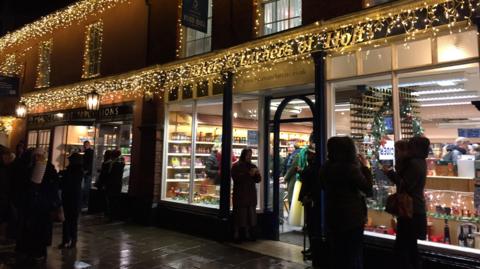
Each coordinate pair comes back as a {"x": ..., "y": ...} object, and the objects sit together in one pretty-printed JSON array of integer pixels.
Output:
[
  {"x": 205, "y": 36},
  {"x": 92, "y": 56},
  {"x": 274, "y": 21}
]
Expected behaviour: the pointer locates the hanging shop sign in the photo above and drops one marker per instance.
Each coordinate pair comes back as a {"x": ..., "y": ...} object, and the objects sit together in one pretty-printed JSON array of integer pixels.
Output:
[
  {"x": 8, "y": 86},
  {"x": 195, "y": 14},
  {"x": 104, "y": 114}
]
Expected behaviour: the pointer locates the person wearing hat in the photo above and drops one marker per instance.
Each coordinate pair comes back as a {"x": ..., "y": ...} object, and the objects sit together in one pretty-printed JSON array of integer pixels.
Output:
[
  {"x": 38, "y": 202},
  {"x": 308, "y": 176}
]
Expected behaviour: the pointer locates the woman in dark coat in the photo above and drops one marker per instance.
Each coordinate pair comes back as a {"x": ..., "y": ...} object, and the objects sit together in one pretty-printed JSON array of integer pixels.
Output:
[
  {"x": 113, "y": 184},
  {"x": 245, "y": 175},
  {"x": 37, "y": 202},
  {"x": 413, "y": 174},
  {"x": 346, "y": 180},
  {"x": 71, "y": 186}
]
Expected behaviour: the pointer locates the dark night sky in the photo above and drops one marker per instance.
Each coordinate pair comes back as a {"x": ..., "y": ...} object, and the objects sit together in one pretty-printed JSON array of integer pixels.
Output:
[{"x": 16, "y": 13}]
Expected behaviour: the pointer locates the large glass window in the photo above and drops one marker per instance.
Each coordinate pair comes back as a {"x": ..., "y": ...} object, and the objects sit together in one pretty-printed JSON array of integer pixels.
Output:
[
  {"x": 178, "y": 161},
  {"x": 194, "y": 147},
  {"x": 68, "y": 139},
  {"x": 93, "y": 50},
  {"x": 199, "y": 42},
  {"x": 114, "y": 136},
  {"x": 432, "y": 102},
  {"x": 39, "y": 139},
  {"x": 280, "y": 15}
]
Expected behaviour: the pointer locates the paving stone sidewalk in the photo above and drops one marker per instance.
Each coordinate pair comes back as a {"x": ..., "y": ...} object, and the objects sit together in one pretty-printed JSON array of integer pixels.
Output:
[{"x": 120, "y": 245}]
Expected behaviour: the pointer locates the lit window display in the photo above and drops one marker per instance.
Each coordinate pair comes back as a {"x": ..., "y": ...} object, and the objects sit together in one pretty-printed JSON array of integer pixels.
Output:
[
  {"x": 113, "y": 136},
  {"x": 193, "y": 176},
  {"x": 432, "y": 102}
]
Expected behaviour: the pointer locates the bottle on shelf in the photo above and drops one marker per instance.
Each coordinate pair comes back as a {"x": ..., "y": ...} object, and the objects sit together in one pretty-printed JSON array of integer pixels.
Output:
[
  {"x": 470, "y": 242},
  {"x": 446, "y": 233},
  {"x": 462, "y": 239}
]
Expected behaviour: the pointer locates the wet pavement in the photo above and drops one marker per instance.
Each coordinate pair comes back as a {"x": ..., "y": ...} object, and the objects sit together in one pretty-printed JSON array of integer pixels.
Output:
[{"x": 120, "y": 245}]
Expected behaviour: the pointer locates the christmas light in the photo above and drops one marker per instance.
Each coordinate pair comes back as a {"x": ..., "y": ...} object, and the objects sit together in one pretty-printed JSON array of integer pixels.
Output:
[
  {"x": 249, "y": 60},
  {"x": 61, "y": 19}
]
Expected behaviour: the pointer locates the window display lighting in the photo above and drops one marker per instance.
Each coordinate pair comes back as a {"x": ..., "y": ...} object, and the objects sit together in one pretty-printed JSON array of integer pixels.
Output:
[
  {"x": 438, "y": 91},
  {"x": 446, "y": 104},
  {"x": 447, "y": 98}
]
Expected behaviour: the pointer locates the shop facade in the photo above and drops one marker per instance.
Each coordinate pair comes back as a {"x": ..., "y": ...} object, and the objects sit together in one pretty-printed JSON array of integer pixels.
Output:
[
  {"x": 376, "y": 80},
  {"x": 63, "y": 132}
]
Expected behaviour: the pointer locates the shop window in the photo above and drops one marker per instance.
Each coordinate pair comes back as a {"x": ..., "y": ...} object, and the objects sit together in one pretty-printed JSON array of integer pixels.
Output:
[
  {"x": 443, "y": 113},
  {"x": 39, "y": 139},
  {"x": 197, "y": 42},
  {"x": 194, "y": 147},
  {"x": 173, "y": 94},
  {"x": 343, "y": 66},
  {"x": 416, "y": 53},
  {"x": 115, "y": 135},
  {"x": 280, "y": 15},
  {"x": 202, "y": 88},
  {"x": 43, "y": 67},
  {"x": 93, "y": 50},
  {"x": 187, "y": 92},
  {"x": 68, "y": 139},
  {"x": 178, "y": 162},
  {"x": 457, "y": 46},
  {"x": 376, "y": 60},
  {"x": 218, "y": 87}
]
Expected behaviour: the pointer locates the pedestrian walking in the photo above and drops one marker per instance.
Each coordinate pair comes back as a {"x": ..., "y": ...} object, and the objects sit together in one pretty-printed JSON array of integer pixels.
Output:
[
  {"x": 39, "y": 201},
  {"x": 346, "y": 180},
  {"x": 411, "y": 177},
  {"x": 71, "y": 186},
  {"x": 307, "y": 196},
  {"x": 245, "y": 175}
]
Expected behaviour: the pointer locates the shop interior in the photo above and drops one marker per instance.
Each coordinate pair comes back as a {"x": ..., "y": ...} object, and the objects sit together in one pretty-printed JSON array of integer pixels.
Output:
[
  {"x": 105, "y": 136},
  {"x": 435, "y": 103}
]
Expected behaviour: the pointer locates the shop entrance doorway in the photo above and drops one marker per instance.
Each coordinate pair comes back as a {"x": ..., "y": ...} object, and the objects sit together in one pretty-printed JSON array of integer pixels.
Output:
[{"x": 290, "y": 135}]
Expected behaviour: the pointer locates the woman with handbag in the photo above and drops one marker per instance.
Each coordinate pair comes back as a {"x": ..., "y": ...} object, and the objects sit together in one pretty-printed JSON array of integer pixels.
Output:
[
  {"x": 38, "y": 202},
  {"x": 346, "y": 180},
  {"x": 71, "y": 186},
  {"x": 410, "y": 177}
]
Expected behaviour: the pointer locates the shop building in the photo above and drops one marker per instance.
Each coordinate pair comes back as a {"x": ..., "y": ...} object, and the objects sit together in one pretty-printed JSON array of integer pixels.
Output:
[{"x": 380, "y": 74}]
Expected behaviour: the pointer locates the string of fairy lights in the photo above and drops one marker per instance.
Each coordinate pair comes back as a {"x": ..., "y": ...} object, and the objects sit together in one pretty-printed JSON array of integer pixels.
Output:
[
  {"x": 44, "y": 67},
  {"x": 263, "y": 55},
  {"x": 92, "y": 53},
  {"x": 61, "y": 19}
]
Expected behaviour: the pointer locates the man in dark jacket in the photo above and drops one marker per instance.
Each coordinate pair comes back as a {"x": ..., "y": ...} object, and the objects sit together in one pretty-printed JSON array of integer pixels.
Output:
[{"x": 71, "y": 185}]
